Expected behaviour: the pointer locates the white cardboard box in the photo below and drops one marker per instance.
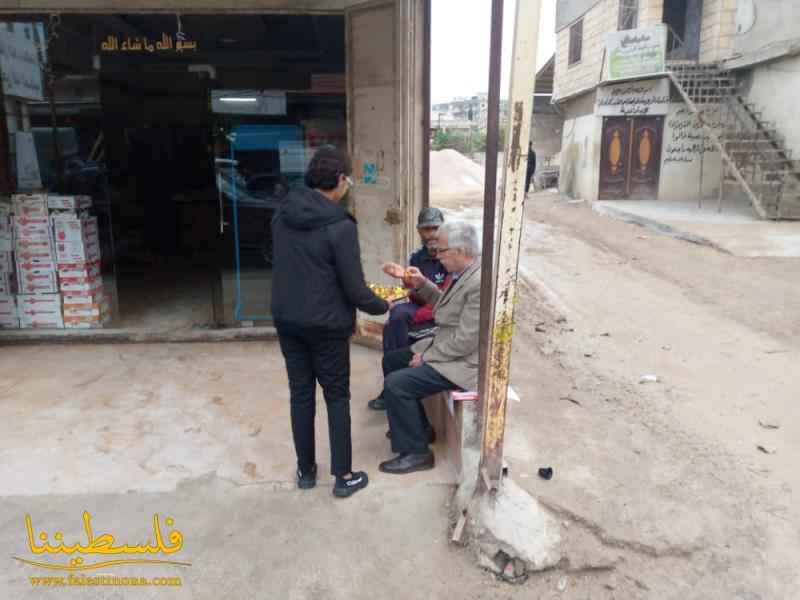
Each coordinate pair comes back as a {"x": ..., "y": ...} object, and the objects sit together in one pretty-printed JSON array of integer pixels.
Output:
[
  {"x": 39, "y": 303},
  {"x": 77, "y": 323},
  {"x": 79, "y": 270},
  {"x": 90, "y": 287},
  {"x": 97, "y": 311},
  {"x": 37, "y": 265},
  {"x": 8, "y": 306},
  {"x": 29, "y": 205},
  {"x": 76, "y": 300},
  {"x": 36, "y": 280},
  {"x": 31, "y": 250},
  {"x": 42, "y": 322},
  {"x": 40, "y": 311},
  {"x": 77, "y": 252},
  {"x": 74, "y": 230},
  {"x": 9, "y": 322},
  {"x": 5, "y": 283},
  {"x": 68, "y": 202},
  {"x": 32, "y": 228},
  {"x": 6, "y": 235}
]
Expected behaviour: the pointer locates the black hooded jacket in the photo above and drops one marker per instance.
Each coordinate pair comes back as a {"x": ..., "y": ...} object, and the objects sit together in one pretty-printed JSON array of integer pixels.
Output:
[{"x": 317, "y": 278}]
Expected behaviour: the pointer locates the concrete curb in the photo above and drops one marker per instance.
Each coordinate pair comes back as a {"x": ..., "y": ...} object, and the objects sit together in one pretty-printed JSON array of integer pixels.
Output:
[
  {"x": 136, "y": 336},
  {"x": 656, "y": 226}
]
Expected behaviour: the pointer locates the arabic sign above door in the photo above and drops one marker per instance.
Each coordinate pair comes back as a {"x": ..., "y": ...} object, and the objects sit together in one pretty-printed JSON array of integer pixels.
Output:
[
  {"x": 19, "y": 60},
  {"x": 167, "y": 43},
  {"x": 636, "y": 52},
  {"x": 635, "y": 98}
]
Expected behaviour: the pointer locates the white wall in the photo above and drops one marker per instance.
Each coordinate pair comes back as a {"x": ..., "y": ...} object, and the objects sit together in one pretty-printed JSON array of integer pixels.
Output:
[
  {"x": 683, "y": 162},
  {"x": 774, "y": 87},
  {"x": 580, "y": 157},
  {"x": 759, "y": 23}
]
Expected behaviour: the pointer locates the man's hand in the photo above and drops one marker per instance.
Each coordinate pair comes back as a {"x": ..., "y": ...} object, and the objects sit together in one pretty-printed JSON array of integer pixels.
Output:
[
  {"x": 414, "y": 277},
  {"x": 393, "y": 270},
  {"x": 390, "y": 304},
  {"x": 416, "y": 361}
]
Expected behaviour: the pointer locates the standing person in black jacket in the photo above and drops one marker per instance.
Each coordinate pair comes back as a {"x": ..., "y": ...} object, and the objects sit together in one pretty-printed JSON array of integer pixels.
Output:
[
  {"x": 531, "y": 170},
  {"x": 317, "y": 285}
]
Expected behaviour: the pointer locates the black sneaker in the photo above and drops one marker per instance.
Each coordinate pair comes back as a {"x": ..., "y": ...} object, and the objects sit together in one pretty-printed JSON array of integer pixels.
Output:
[
  {"x": 347, "y": 487},
  {"x": 306, "y": 481}
]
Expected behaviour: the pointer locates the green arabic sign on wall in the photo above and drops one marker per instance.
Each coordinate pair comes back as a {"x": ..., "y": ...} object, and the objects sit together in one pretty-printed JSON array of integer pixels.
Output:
[{"x": 636, "y": 52}]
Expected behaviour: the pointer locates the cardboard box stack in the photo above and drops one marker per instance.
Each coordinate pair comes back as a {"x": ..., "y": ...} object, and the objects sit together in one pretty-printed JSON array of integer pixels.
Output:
[
  {"x": 86, "y": 305},
  {"x": 9, "y": 318},
  {"x": 8, "y": 304},
  {"x": 52, "y": 246},
  {"x": 38, "y": 301},
  {"x": 6, "y": 252}
]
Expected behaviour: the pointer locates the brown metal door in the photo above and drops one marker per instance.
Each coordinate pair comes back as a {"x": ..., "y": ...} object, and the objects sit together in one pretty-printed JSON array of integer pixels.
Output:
[
  {"x": 645, "y": 158},
  {"x": 615, "y": 158}
]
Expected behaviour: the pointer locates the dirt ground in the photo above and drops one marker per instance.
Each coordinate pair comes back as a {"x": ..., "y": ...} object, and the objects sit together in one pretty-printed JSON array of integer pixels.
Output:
[{"x": 662, "y": 488}]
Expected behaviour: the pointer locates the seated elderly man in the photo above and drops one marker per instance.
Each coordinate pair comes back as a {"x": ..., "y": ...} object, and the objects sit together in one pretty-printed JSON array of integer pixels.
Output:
[{"x": 448, "y": 361}]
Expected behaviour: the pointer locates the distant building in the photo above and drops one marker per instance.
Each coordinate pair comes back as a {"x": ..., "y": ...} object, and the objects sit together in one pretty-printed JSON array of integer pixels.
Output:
[
  {"x": 680, "y": 100},
  {"x": 465, "y": 113}
]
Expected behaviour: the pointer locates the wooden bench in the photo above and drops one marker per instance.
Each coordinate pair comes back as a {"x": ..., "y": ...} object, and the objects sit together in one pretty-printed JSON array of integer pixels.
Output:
[{"x": 458, "y": 433}]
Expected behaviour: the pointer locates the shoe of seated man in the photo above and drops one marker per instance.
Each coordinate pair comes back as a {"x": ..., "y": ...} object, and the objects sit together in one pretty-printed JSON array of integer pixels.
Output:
[
  {"x": 408, "y": 463},
  {"x": 430, "y": 433},
  {"x": 377, "y": 403},
  {"x": 347, "y": 486},
  {"x": 308, "y": 479}
]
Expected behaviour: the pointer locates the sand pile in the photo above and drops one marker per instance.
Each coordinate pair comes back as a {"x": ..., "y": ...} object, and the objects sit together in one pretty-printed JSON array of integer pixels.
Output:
[{"x": 452, "y": 171}]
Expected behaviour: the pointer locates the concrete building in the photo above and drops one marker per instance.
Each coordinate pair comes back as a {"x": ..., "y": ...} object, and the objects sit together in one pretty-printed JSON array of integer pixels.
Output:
[
  {"x": 465, "y": 113},
  {"x": 546, "y": 124},
  {"x": 679, "y": 100}
]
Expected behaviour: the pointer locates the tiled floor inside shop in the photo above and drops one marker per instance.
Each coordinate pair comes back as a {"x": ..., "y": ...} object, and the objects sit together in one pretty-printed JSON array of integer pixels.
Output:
[{"x": 168, "y": 298}]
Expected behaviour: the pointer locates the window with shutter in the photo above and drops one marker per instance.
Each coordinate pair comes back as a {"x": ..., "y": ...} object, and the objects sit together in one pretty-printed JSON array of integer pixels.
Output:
[
  {"x": 575, "y": 42},
  {"x": 628, "y": 14}
]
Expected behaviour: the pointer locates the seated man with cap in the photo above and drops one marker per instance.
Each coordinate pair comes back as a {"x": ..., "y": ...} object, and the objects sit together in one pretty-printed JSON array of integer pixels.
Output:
[
  {"x": 445, "y": 362},
  {"x": 416, "y": 313}
]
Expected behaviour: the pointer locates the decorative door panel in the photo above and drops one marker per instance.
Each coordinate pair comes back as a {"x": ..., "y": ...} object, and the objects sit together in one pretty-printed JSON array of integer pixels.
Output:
[
  {"x": 645, "y": 157},
  {"x": 615, "y": 158},
  {"x": 630, "y": 159}
]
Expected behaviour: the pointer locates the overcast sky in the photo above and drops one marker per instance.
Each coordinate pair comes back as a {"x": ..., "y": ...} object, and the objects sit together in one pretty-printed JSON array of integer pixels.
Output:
[{"x": 460, "y": 45}]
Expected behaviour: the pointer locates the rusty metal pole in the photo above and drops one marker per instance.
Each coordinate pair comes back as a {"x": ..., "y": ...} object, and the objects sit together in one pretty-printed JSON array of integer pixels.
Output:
[
  {"x": 494, "y": 367},
  {"x": 426, "y": 101},
  {"x": 490, "y": 193}
]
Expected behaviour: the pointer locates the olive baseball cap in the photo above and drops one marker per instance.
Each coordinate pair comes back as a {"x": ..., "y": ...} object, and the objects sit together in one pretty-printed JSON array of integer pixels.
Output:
[{"x": 430, "y": 217}]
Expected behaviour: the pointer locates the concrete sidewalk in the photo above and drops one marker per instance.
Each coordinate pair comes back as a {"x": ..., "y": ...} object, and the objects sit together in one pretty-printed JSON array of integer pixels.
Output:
[
  {"x": 736, "y": 230},
  {"x": 200, "y": 433}
]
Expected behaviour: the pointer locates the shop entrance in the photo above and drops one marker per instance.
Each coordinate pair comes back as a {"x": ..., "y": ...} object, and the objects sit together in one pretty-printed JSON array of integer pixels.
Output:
[{"x": 200, "y": 125}]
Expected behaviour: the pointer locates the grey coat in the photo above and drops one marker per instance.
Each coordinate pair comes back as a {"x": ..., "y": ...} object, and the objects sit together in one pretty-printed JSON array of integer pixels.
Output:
[{"x": 453, "y": 352}]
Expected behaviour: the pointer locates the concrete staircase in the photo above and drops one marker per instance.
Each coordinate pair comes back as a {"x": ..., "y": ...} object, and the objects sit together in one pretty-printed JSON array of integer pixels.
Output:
[{"x": 754, "y": 155}]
